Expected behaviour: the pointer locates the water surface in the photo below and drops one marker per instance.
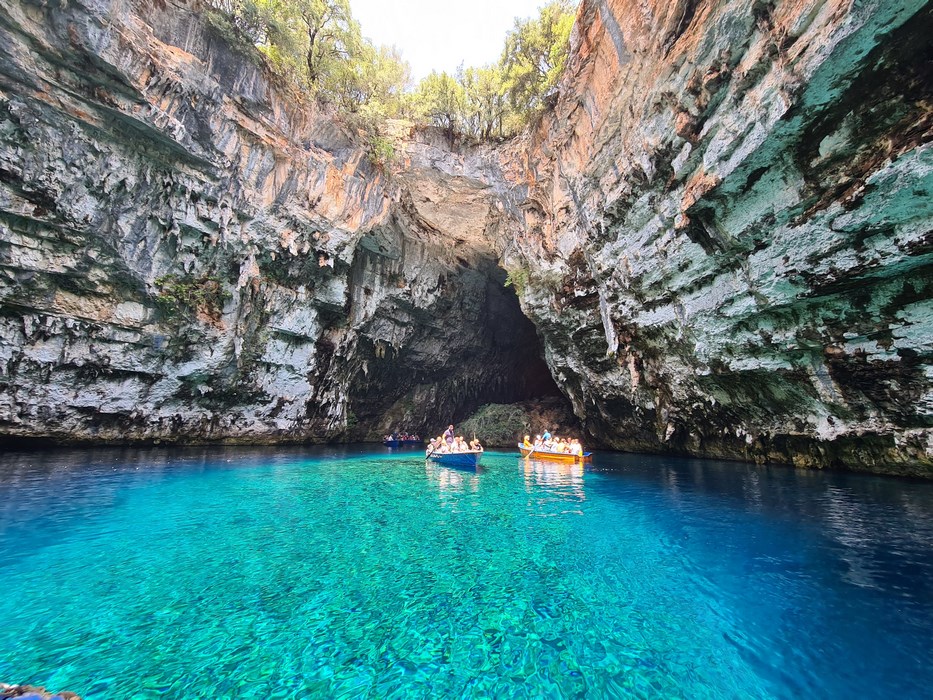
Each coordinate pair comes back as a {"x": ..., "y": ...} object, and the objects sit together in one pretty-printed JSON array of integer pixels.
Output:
[{"x": 354, "y": 572}]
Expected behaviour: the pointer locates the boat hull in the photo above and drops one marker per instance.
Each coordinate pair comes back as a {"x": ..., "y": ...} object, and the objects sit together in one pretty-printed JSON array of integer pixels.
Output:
[
  {"x": 457, "y": 459},
  {"x": 553, "y": 456}
]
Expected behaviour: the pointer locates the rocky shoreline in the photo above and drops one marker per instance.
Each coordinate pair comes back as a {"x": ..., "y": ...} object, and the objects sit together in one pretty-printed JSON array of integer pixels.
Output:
[{"x": 33, "y": 692}]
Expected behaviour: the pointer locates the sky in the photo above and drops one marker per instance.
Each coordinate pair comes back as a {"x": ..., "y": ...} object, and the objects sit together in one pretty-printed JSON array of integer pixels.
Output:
[{"x": 441, "y": 34}]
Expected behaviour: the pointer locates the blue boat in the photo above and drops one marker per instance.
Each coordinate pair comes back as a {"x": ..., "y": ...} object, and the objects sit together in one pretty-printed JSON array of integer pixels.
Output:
[
  {"x": 391, "y": 443},
  {"x": 456, "y": 459}
]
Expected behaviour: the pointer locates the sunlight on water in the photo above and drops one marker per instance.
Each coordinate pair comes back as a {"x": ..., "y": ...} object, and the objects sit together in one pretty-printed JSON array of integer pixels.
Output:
[{"x": 358, "y": 572}]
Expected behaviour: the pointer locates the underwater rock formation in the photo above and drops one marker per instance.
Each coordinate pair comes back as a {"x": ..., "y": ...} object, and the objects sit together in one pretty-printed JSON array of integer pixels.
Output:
[{"x": 720, "y": 233}]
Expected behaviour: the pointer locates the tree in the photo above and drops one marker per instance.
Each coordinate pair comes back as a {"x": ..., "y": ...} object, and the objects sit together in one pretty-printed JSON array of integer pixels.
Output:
[
  {"x": 333, "y": 36},
  {"x": 534, "y": 57},
  {"x": 441, "y": 98},
  {"x": 484, "y": 102}
]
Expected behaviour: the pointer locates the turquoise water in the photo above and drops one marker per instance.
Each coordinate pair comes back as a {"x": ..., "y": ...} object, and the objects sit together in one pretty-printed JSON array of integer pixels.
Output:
[{"x": 232, "y": 573}]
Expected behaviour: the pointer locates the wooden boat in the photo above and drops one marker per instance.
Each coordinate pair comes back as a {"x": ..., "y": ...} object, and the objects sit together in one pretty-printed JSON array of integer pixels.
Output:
[
  {"x": 456, "y": 459},
  {"x": 564, "y": 457},
  {"x": 398, "y": 442}
]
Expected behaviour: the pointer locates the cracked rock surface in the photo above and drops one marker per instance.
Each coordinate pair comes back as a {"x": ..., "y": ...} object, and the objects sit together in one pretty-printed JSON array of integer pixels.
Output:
[
  {"x": 720, "y": 235},
  {"x": 729, "y": 230},
  {"x": 188, "y": 253}
]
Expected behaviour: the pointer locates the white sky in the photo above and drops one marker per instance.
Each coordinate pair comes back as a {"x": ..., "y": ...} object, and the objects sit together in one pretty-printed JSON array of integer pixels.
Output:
[{"x": 440, "y": 34}]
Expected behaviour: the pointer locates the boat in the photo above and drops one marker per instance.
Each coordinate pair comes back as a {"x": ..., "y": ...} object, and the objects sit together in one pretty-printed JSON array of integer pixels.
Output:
[
  {"x": 456, "y": 459},
  {"x": 564, "y": 457},
  {"x": 403, "y": 439}
]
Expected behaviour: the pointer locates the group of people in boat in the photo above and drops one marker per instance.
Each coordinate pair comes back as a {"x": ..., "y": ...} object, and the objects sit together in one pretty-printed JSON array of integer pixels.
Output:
[
  {"x": 403, "y": 437},
  {"x": 551, "y": 443},
  {"x": 450, "y": 443}
]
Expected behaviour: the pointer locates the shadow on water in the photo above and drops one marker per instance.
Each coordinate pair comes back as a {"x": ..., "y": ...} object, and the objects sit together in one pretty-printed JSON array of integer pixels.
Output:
[{"x": 877, "y": 531}]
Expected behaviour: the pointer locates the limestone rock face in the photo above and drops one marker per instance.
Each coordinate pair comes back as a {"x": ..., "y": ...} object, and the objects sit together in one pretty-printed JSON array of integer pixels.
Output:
[
  {"x": 727, "y": 237},
  {"x": 720, "y": 232},
  {"x": 190, "y": 254}
]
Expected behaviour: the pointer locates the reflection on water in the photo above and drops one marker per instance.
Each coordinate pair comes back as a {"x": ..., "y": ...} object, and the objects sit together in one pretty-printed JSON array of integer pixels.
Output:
[
  {"x": 455, "y": 480},
  {"x": 879, "y": 529},
  {"x": 556, "y": 478}
]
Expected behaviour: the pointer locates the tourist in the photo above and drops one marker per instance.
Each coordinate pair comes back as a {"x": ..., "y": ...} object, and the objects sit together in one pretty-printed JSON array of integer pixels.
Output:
[
  {"x": 527, "y": 443},
  {"x": 539, "y": 443},
  {"x": 449, "y": 435},
  {"x": 475, "y": 445},
  {"x": 547, "y": 435}
]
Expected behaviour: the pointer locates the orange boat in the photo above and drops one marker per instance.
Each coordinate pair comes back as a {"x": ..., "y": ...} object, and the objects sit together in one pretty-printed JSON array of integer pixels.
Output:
[{"x": 553, "y": 456}]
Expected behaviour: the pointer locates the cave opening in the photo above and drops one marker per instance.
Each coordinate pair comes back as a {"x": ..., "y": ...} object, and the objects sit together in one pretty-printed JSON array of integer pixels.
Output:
[{"x": 473, "y": 346}]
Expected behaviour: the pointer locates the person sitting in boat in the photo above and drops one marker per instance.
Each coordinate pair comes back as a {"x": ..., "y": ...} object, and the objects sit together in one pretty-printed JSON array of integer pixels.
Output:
[
  {"x": 527, "y": 443},
  {"x": 475, "y": 445},
  {"x": 539, "y": 443},
  {"x": 576, "y": 448},
  {"x": 546, "y": 437}
]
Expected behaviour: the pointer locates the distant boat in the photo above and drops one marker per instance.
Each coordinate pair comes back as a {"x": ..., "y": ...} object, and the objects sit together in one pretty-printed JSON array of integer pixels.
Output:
[
  {"x": 541, "y": 453},
  {"x": 456, "y": 459},
  {"x": 398, "y": 442}
]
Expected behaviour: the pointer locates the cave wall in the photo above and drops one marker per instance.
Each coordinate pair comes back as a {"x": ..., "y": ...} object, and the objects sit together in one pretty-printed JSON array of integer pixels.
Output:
[
  {"x": 727, "y": 230},
  {"x": 189, "y": 252},
  {"x": 720, "y": 232}
]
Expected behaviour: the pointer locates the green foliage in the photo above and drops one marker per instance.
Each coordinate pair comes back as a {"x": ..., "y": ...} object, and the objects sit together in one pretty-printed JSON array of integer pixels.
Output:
[
  {"x": 497, "y": 424},
  {"x": 535, "y": 53},
  {"x": 381, "y": 151},
  {"x": 318, "y": 46},
  {"x": 180, "y": 295},
  {"x": 498, "y": 100},
  {"x": 518, "y": 278},
  {"x": 440, "y": 98}
]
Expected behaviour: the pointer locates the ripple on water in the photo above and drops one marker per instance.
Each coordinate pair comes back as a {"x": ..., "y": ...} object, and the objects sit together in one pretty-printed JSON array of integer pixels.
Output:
[{"x": 225, "y": 573}]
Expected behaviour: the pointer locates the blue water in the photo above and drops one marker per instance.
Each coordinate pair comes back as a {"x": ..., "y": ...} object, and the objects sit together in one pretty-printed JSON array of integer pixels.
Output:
[{"x": 352, "y": 572}]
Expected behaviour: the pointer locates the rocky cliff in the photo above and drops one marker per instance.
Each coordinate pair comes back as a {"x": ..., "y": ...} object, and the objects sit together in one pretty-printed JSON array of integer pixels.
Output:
[
  {"x": 727, "y": 237},
  {"x": 720, "y": 233},
  {"x": 190, "y": 253}
]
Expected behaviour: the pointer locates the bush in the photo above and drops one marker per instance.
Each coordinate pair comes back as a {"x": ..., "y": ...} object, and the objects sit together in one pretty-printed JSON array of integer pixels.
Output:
[
  {"x": 185, "y": 294},
  {"x": 497, "y": 424}
]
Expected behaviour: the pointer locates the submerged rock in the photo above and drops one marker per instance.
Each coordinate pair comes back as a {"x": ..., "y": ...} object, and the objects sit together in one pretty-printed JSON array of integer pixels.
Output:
[{"x": 32, "y": 692}]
